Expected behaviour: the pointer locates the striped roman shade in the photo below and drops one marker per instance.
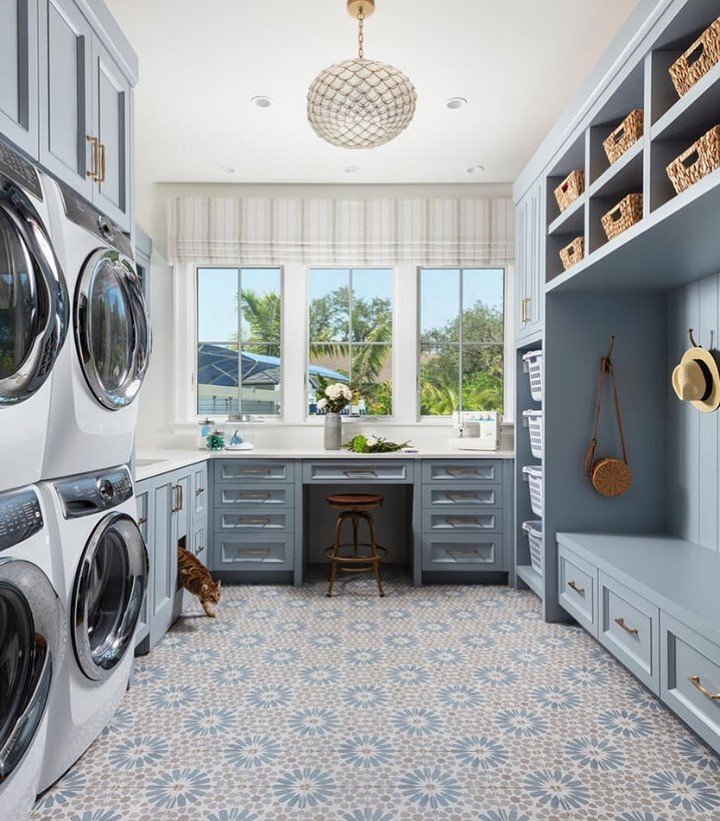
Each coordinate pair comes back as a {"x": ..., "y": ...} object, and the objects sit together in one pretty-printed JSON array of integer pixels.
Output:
[{"x": 249, "y": 231}]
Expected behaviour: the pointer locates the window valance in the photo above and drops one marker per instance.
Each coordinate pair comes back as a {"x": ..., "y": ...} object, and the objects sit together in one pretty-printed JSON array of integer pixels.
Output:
[{"x": 373, "y": 231}]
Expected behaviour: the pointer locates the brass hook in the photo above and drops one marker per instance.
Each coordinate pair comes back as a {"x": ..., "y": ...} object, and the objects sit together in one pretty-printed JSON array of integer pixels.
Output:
[
  {"x": 612, "y": 347},
  {"x": 692, "y": 338}
]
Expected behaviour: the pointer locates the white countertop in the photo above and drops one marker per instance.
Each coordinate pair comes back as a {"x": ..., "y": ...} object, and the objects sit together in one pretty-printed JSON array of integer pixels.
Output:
[{"x": 151, "y": 462}]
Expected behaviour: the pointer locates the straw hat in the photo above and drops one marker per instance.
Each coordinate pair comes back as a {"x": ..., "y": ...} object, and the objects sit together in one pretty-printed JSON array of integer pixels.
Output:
[{"x": 697, "y": 379}]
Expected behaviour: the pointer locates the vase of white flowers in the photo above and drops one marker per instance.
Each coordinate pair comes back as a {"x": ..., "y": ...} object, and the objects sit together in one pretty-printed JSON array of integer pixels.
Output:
[{"x": 336, "y": 397}]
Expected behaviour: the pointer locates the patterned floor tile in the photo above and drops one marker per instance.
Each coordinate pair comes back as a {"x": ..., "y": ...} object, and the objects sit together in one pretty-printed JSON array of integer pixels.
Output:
[{"x": 445, "y": 702}]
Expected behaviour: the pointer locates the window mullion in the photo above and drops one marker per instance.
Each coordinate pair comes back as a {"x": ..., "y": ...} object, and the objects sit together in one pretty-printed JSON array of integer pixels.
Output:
[{"x": 460, "y": 340}]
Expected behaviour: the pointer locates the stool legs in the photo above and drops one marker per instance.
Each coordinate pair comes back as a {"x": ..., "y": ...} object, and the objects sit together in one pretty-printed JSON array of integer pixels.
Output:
[
  {"x": 373, "y": 558},
  {"x": 376, "y": 564}
]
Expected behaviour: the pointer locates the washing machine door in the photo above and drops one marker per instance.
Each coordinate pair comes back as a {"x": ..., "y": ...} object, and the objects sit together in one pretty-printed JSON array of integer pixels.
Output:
[
  {"x": 112, "y": 328},
  {"x": 33, "y": 299},
  {"x": 31, "y": 644},
  {"x": 108, "y": 595}
]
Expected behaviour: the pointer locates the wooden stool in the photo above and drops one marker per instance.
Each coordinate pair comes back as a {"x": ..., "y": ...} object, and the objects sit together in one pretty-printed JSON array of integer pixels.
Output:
[{"x": 354, "y": 507}]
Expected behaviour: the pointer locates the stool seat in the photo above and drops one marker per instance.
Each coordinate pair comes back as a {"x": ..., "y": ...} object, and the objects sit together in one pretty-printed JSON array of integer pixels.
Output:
[{"x": 346, "y": 501}]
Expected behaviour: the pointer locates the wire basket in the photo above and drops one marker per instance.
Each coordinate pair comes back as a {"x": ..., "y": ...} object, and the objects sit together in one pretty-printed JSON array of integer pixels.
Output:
[
  {"x": 535, "y": 538},
  {"x": 695, "y": 63},
  {"x": 572, "y": 253},
  {"x": 701, "y": 159},
  {"x": 624, "y": 215},
  {"x": 570, "y": 189},
  {"x": 625, "y": 135},
  {"x": 532, "y": 362},
  {"x": 534, "y": 474},
  {"x": 533, "y": 420}
]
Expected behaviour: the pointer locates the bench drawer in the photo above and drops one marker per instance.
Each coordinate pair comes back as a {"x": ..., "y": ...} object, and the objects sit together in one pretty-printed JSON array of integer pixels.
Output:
[
  {"x": 252, "y": 497},
  {"x": 252, "y": 521},
  {"x": 577, "y": 589},
  {"x": 630, "y": 629},
  {"x": 263, "y": 552},
  {"x": 331, "y": 471},
  {"x": 463, "y": 470},
  {"x": 462, "y": 520},
  {"x": 257, "y": 471},
  {"x": 690, "y": 681},
  {"x": 483, "y": 553},
  {"x": 462, "y": 495}
]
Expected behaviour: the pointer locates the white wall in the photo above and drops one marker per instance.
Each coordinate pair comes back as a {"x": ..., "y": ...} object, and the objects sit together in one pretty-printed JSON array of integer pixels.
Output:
[{"x": 157, "y": 408}]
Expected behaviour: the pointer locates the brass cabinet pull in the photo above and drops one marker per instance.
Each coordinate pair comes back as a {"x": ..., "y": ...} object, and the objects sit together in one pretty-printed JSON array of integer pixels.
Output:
[
  {"x": 182, "y": 500},
  {"x": 257, "y": 521},
  {"x": 255, "y": 496},
  {"x": 101, "y": 153},
  {"x": 573, "y": 586},
  {"x": 254, "y": 471},
  {"x": 142, "y": 520},
  {"x": 462, "y": 521},
  {"x": 93, "y": 172},
  {"x": 175, "y": 507},
  {"x": 462, "y": 471},
  {"x": 461, "y": 496},
  {"x": 350, "y": 472},
  {"x": 199, "y": 550},
  {"x": 199, "y": 490},
  {"x": 620, "y": 621},
  {"x": 524, "y": 305},
  {"x": 697, "y": 684},
  {"x": 253, "y": 551}
]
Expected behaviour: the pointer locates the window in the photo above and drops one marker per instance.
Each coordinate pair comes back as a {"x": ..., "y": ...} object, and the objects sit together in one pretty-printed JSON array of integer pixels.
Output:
[
  {"x": 461, "y": 340},
  {"x": 350, "y": 335},
  {"x": 239, "y": 335}
]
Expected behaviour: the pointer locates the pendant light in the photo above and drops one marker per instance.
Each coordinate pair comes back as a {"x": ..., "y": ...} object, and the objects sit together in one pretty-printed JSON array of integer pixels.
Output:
[{"x": 360, "y": 103}]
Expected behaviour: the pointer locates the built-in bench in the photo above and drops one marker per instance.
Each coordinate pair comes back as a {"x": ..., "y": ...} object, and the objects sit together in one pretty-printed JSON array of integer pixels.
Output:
[{"x": 654, "y": 603}]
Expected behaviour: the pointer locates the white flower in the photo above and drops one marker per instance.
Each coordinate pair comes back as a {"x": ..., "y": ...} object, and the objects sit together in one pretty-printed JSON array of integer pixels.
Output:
[
  {"x": 322, "y": 404},
  {"x": 346, "y": 392},
  {"x": 334, "y": 391},
  {"x": 372, "y": 441}
]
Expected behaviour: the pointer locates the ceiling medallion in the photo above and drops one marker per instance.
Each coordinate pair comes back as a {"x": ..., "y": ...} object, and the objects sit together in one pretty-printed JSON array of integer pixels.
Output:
[{"x": 360, "y": 103}]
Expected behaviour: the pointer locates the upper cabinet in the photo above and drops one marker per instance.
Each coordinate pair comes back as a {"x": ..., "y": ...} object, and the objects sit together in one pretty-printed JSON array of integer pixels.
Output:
[
  {"x": 529, "y": 250},
  {"x": 19, "y": 73}
]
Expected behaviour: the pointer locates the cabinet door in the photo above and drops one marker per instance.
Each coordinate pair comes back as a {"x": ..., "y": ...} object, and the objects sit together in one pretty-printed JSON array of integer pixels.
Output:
[
  {"x": 111, "y": 126},
  {"x": 200, "y": 541},
  {"x": 65, "y": 94},
  {"x": 164, "y": 556},
  {"x": 200, "y": 492},
  {"x": 529, "y": 263},
  {"x": 521, "y": 264},
  {"x": 143, "y": 497},
  {"x": 19, "y": 73},
  {"x": 183, "y": 505}
]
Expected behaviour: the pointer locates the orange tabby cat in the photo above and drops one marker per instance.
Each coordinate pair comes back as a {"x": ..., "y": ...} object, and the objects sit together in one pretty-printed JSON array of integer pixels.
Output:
[{"x": 196, "y": 579}]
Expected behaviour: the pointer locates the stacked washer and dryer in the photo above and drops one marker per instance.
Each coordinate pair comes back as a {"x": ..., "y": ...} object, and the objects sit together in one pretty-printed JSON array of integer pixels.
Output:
[{"x": 74, "y": 349}]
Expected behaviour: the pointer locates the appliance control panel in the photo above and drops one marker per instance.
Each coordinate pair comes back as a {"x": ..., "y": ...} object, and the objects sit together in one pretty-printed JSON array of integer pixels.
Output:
[
  {"x": 20, "y": 171},
  {"x": 94, "y": 492},
  {"x": 20, "y": 517},
  {"x": 84, "y": 215}
]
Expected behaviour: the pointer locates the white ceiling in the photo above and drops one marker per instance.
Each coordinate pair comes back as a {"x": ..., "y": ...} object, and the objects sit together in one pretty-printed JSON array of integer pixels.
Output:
[{"x": 518, "y": 62}]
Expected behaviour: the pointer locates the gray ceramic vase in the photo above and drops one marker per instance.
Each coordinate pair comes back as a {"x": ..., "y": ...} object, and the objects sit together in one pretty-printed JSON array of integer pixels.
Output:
[{"x": 332, "y": 439}]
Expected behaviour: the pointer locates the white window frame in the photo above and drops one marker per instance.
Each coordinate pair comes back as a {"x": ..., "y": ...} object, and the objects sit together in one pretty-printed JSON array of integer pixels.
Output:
[{"x": 294, "y": 285}]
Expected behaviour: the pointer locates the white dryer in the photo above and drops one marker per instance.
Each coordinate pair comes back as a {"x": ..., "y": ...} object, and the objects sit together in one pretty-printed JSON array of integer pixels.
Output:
[
  {"x": 105, "y": 567},
  {"x": 34, "y": 317},
  {"x": 93, "y": 410},
  {"x": 32, "y": 642}
]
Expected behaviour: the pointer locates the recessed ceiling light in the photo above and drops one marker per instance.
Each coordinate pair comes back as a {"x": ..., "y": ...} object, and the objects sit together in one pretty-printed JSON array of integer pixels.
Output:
[
  {"x": 261, "y": 101},
  {"x": 456, "y": 102},
  {"x": 476, "y": 169},
  {"x": 352, "y": 169}
]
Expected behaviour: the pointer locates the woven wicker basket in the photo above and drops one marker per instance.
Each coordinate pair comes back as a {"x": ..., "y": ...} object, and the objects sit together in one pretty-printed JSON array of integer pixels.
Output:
[
  {"x": 573, "y": 253},
  {"x": 701, "y": 159},
  {"x": 570, "y": 189},
  {"x": 623, "y": 216},
  {"x": 702, "y": 55},
  {"x": 625, "y": 135}
]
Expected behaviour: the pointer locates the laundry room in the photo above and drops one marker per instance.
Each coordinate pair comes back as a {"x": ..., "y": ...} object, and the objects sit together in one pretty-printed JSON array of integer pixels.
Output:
[{"x": 359, "y": 392}]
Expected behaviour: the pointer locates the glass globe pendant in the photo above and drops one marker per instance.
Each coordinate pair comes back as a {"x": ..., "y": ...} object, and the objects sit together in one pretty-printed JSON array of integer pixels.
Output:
[{"x": 360, "y": 103}]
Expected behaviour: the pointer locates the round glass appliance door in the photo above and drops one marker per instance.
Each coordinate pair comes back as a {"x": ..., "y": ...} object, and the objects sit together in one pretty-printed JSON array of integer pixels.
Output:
[
  {"x": 108, "y": 594},
  {"x": 112, "y": 329},
  {"x": 33, "y": 300}
]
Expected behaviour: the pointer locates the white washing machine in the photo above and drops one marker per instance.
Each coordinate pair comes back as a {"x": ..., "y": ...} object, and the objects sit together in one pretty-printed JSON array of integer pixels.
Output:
[
  {"x": 32, "y": 643},
  {"x": 98, "y": 375},
  {"x": 105, "y": 567},
  {"x": 34, "y": 317}
]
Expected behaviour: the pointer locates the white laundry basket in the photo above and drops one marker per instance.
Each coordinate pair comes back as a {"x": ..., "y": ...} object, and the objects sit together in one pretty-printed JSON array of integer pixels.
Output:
[
  {"x": 532, "y": 362},
  {"x": 534, "y": 532},
  {"x": 534, "y": 475},
  {"x": 533, "y": 420}
]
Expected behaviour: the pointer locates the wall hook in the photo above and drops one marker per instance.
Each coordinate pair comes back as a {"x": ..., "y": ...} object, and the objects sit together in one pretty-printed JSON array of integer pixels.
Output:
[
  {"x": 612, "y": 347},
  {"x": 692, "y": 338}
]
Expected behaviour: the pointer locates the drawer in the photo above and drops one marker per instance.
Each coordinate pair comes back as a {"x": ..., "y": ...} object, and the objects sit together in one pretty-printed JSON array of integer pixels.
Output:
[
  {"x": 252, "y": 497},
  {"x": 253, "y": 521},
  {"x": 331, "y": 471},
  {"x": 577, "y": 589},
  {"x": 630, "y": 629},
  {"x": 463, "y": 470},
  {"x": 690, "y": 679},
  {"x": 462, "y": 520},
  {"x": 257, "y": 471},
  {"x": 462, "y": 495},
  {"x": 234, "y": 552},
  {"x": 461, "y": 553}
]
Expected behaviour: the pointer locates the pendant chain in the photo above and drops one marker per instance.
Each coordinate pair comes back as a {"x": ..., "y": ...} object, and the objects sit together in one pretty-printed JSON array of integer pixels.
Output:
[{"x": 361, "y": 34}]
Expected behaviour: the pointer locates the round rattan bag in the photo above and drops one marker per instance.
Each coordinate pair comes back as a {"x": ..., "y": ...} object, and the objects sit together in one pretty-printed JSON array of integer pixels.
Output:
[{"x": 611, "y": 477}]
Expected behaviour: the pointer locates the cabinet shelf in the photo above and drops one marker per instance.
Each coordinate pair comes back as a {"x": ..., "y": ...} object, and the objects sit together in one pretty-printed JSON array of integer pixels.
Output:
[
  {"x": 571, "y": 221},
  {"x": 622, "y": 176},
  {"x": 531, "y": 578},
  {"x": 694, "y": 113}
]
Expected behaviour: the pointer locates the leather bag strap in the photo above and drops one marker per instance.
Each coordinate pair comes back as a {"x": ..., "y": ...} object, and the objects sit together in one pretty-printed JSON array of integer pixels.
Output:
[{"x": 606, "y": 367}]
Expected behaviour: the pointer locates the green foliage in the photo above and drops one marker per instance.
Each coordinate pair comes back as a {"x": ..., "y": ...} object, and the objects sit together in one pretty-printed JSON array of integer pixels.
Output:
[
  {"x": 378, "y": 444},
  {"x": 263, "y": 315}
]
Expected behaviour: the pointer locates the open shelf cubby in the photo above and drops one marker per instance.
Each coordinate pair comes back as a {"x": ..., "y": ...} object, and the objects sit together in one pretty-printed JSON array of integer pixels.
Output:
[{"x": 573, "y": 159}]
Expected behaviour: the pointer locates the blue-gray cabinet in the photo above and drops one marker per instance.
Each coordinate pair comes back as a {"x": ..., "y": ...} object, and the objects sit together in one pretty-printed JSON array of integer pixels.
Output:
[
  {"x": 19, "y": 73},
  {"x": 529, "y": 291}
]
